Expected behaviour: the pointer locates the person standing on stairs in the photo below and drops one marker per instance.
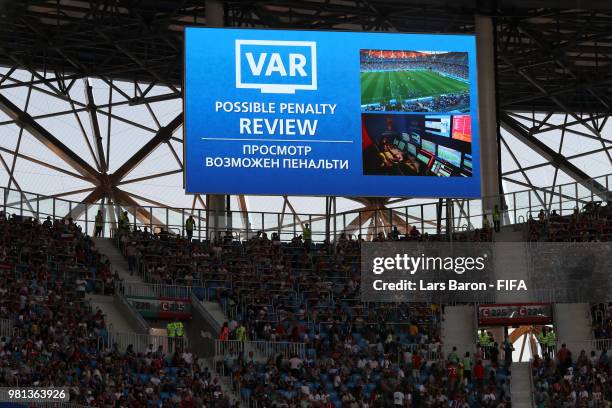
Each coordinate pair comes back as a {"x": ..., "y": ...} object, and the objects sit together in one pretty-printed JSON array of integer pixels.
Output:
[
  {"x": 124, "y": 222},
  {"x": 496, "y": 218},
  {"x": 508, "y": 349},
  {"x": 543, "y": 340},
  {"x": 99, "y": 224},
  {"x": 307, "y": 235},
  {"x": 189, "y": 226},
  {"x": 132, "y": 253},
  {"x": 179, "y": 332},
  {"x": 551, "y": 342},
  {"x": 171, "y": 333}
]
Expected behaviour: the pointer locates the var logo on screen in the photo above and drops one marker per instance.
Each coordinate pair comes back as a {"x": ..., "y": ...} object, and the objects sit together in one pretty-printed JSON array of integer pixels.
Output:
[{"x": 281, "y": 67}]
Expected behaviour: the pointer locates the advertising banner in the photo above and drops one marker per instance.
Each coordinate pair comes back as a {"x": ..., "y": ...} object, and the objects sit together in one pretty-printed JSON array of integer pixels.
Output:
[
  {"x": 161, "y": 308},
  {"x": 514, "y": 314}
]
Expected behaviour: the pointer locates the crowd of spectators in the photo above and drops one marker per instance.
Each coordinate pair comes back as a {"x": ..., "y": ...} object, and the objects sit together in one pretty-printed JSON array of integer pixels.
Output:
[
  {"x": 573, "y": 381},
  {"x": 568, "y": 380},
  {"x": 372, "y": 377},
  {"x": 442, "y": 103},
  {"x": 56, "y": 339},
  {"x": 356, "y": 354},
  {"x": 591, "y": 224},
  {"x": 454, "y": 68}
]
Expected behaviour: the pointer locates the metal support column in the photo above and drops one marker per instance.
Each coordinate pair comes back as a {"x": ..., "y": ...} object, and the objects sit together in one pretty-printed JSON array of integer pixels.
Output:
[
  {"x": 487, "y": 113},
  {"x": 217, "y": 206},
  {"x": 450, "y": 218}
]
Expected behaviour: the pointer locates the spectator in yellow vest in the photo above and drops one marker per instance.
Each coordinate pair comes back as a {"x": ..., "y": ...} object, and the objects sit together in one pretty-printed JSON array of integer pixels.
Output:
[
  {"x": 124, "y": 221},
  {"x": 496, "y": 218},
  {"x": 307, "y": 235},
  {"x": 241, "y": 333},
  {"x": 189, "y": 227},
  {"x": 99, "y": 223},
  {"x": 171, "y": 332}
]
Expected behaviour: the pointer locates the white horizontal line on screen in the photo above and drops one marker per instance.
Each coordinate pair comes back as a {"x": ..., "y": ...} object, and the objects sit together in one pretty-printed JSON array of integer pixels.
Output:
[{"x": 277, "y": 140}]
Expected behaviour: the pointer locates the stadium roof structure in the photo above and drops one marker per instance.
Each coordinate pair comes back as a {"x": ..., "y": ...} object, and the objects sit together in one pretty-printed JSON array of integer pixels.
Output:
[{"x": 90, "y": 91}]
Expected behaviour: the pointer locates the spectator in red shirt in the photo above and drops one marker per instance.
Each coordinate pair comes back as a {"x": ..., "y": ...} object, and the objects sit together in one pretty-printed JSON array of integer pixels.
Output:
[
  {"x": 453, "y": 376},
  {"x": 224, "y": 334},
  {"x": 479, "y": 373},
  {"x": 416, "y": 365}
]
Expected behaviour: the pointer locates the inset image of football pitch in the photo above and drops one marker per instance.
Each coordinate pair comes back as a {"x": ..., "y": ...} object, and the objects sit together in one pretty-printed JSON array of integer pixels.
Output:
[{"x": 383, "y": 86}]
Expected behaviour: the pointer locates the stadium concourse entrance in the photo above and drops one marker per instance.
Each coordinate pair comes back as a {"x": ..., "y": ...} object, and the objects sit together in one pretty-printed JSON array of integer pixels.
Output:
[{"x": 515, "y": 332}]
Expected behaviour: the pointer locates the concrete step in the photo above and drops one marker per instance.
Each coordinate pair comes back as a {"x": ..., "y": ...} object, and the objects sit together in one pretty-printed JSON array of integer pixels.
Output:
[
  {"x": 225, "y": 383},
  {"x": 106, "y": 246},
  {"x": 216, "y": 312},
  {"x": 511, "y": 263},
  {"x": 112, "y": 315},
  {"x": 458, "y": 326},
  {"x": 509, "y": 235},
  {"x": 521, "y": 389},
  {"x": 573, "y": 322}
]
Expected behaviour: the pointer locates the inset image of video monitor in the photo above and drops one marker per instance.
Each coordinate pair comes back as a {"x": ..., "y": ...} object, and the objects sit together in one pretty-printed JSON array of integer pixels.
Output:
[
  {"x": 438, "y": 125},
  {"x": 449, "y": 155},
  {"x": 412, "y": 149},
  {"x": 467, "y": 161},
  {"x": 429, "y": 146},
  {"x": 441, "y": 170},
  {"x": 462, "y": 128},
  {"x": 423, "y": 157}
]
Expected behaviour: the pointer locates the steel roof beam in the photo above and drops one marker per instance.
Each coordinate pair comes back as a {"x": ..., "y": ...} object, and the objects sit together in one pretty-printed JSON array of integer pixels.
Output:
[
  {"x": 124, "y": 199},
  {"x": 163, "y": 135},
  {"x": 95, "y": 127},
  {"x": 24, "y": 120},
  {"x": 516, "y": 129}
]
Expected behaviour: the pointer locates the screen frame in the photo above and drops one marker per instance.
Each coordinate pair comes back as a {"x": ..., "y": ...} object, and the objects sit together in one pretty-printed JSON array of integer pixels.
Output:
[{"x": 472, "y": 113}]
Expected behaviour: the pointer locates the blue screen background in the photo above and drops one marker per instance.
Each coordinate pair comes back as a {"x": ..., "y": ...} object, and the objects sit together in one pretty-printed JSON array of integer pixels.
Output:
[{"x": 210, "y": 77}]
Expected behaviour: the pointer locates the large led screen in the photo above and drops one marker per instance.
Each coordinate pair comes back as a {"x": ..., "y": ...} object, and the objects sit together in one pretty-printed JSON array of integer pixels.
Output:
[{"x": 330, "y": 113}]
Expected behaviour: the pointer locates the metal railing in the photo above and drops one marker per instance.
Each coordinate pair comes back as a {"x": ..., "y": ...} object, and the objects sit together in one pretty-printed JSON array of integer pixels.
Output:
[
  {"x": 265, "y": 349},
  {"x": 435, "y": 351},
  {"x": 6, "y": 328},
  {"x": 47, "y": 405},
  {"x": 596, "y": 345},
  {"x": 131, "y": 314},
  {"x": 532, "y": 384},
  {"x": 142, "y": 342},
  {"x": 462, "y": 214},
  {"x": 199, "y": 308},
  {"x": 155, "y": 290}
]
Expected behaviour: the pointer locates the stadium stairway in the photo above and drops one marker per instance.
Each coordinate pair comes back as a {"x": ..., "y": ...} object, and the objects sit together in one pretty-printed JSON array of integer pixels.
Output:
[
  {"x": 511, "y": 264},
  {"x": 215, "y": 314},
  {"x": 216, "y": 317},
  {"x": 521, "y": 386},
  {"x": 509, "y": 234},
  {"x": 573, "y": 323},
  {"x": 118, "y": 262},
  {"x": 458, "y": 328},
  {"x": 115, "y": 314}
]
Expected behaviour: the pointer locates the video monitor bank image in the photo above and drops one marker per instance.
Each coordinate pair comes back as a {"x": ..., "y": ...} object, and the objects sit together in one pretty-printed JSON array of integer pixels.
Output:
[
  {"x": 391, "y": 148},
  {"x": 330, "y": 113}
]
